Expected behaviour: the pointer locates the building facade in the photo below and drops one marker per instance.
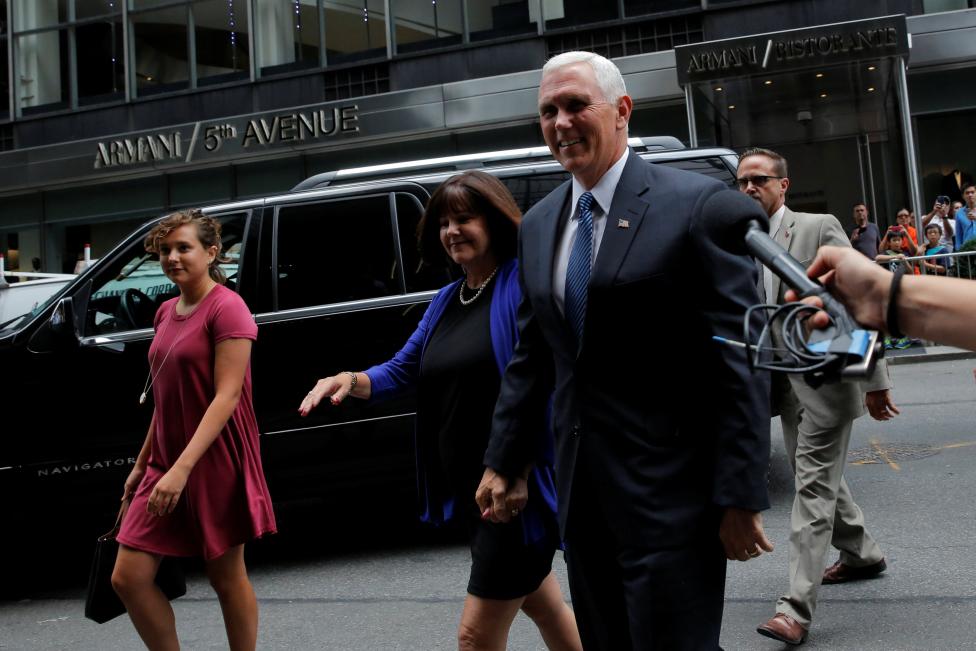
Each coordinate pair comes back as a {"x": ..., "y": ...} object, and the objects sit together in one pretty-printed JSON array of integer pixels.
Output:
[{"x": 114, "y": 111}]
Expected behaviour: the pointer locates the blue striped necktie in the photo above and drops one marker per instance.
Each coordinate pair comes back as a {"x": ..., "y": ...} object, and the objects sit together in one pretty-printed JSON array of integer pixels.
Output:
[{"x": 578, "y": 269}]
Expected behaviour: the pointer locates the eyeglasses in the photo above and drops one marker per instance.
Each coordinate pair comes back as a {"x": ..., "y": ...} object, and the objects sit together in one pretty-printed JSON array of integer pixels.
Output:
[{"x": 759, "y": 180}]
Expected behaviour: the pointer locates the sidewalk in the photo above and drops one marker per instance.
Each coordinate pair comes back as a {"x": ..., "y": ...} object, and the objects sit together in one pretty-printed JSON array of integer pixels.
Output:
[{"x": 918, "y": 354}]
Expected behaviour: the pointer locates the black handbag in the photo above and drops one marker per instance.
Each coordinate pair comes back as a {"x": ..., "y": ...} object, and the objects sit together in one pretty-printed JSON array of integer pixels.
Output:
[{"x": 102, "y": 603}]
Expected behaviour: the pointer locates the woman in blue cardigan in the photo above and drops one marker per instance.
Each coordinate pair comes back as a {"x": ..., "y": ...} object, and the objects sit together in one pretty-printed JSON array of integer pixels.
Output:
[{"x": 455, "y": 360}]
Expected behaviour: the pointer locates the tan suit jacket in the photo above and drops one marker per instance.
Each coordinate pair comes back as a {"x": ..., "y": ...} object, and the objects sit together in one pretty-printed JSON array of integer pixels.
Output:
[{"x": 802, "y": 234}]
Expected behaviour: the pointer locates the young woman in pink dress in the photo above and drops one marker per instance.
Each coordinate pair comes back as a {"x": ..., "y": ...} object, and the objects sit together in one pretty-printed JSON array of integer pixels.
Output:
[{"x": 197, "y": 488}]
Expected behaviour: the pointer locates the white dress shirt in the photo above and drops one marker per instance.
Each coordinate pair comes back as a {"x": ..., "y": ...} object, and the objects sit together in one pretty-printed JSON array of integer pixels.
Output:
[
  {"x": 602, "y": 199},
  {"x": 774, "y": 223}
]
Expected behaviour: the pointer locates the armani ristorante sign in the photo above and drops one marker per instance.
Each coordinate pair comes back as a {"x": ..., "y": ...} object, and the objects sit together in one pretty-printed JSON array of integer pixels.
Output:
[{"x": 794, "y": 49}]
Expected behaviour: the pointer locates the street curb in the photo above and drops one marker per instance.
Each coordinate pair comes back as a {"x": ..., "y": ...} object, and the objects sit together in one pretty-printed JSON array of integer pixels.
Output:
[{"x": 930, "y": 357}]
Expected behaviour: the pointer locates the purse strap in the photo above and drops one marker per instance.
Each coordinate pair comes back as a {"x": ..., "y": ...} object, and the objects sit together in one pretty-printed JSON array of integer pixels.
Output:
[{"x": 118, "y": 521}]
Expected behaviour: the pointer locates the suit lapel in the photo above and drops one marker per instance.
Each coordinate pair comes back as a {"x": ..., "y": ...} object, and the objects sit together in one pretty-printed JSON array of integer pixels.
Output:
[
  {"x": 550, "y": 234},
  {"x": 551, "y": 231},
  {"x": 623, "y": 221},
  {"x": 785, "y": 238}
]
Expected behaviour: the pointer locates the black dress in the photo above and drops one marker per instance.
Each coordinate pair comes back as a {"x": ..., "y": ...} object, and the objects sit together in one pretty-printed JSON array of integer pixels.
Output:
[{"x": 459, "y": 384}]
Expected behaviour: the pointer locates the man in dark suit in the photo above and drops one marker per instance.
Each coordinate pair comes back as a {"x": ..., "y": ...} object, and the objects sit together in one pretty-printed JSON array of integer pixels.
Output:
[{"x": 662, "y": 435}]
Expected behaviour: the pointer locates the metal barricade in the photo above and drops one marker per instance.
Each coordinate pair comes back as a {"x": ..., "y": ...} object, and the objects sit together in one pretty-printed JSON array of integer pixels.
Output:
[{"x": 953, "y": 265}]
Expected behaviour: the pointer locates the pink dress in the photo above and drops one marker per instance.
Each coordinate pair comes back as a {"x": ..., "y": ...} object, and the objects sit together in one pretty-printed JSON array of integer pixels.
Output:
[{"x": 225, "y": 502}]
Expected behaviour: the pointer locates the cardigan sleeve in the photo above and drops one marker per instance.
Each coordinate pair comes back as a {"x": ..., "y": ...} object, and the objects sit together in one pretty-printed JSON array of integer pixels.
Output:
[{"x": 400, "y": 374}]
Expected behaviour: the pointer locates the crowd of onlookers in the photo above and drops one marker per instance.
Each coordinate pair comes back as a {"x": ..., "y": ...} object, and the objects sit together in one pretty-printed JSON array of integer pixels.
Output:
[{"x": 946, "y": 228}]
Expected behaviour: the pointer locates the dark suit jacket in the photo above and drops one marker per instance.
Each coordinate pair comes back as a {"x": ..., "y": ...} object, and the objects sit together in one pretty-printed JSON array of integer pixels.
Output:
[{"x": 670, "y": 424}]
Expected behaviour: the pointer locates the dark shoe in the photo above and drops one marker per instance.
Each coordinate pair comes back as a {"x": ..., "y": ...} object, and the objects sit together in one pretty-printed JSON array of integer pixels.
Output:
[
  {"x": 784, "y": 628},
  {"x": 840, "y": 573}
]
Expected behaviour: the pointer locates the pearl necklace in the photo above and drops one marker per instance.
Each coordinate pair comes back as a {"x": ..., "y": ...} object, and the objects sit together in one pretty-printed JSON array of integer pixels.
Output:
[{"x": 481, "y": 288}]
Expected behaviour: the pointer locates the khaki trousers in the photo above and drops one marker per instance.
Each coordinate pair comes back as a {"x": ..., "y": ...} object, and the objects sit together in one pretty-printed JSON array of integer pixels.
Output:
[{"x": 824, "y": 512}]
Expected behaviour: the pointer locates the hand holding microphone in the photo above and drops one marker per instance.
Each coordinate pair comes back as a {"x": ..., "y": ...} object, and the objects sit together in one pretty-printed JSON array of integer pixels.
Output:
[
  {"x": 737, "y": 223},
  {"x": 854, "y": 280}
]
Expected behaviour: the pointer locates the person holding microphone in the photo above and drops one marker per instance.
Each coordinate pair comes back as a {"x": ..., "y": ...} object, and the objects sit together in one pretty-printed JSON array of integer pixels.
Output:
[{"x": 926, "y": 307}]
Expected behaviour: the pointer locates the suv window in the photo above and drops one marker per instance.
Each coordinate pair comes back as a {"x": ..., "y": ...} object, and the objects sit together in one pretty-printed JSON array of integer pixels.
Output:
[
  {"x": 128, "y": 292},
  {"x": 336, "y": 251},
  {"x": 420, "y": 275},
  {"x": 529, "y": 190},
  {"x": 713, "y": 167}
]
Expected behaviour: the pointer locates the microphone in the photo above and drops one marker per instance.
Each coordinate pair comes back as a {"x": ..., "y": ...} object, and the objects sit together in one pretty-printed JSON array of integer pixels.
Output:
[
  {"x": 737, "y": 222},
  {"x": 730, "y": 214}
]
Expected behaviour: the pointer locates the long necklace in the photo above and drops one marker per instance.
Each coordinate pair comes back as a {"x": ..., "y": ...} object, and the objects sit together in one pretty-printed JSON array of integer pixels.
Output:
[
  {"x": 481, "y": 288},
  {"x": 151, "y": 378}
]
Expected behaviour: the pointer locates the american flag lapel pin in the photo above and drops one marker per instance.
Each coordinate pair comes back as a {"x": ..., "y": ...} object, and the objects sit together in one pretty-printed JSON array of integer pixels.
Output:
[{"x": 623, "y": 223}]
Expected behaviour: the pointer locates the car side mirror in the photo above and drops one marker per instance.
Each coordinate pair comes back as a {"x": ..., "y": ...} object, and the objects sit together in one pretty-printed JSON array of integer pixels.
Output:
[
  {"x": 59, "y": 332},
  {"x": 62, "y": 320}
]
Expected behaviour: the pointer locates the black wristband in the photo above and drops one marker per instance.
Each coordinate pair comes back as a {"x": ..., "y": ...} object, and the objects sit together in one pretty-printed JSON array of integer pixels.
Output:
[{"x": 891, "y": 318}]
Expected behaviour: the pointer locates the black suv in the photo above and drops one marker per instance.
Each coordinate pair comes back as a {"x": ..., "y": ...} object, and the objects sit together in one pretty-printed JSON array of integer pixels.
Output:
[{"x": 333, "y": 277}]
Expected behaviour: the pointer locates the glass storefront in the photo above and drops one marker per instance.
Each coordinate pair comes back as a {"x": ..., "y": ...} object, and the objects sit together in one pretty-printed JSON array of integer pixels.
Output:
[
  {"x": 838, "y": 126},
  {"x": 20, "y": 240},
  {"x": 944, "y": 108},
  {"x": 947, "y": 158},
  {"x": 818, "y": 97}
]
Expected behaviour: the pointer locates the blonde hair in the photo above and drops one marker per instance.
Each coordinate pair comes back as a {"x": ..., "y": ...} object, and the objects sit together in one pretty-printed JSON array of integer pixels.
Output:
[{"x": 208, "y": 232}]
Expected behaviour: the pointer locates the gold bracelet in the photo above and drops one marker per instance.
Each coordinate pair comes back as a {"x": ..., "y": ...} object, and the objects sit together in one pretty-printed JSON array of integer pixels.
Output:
[{"x": 355, "y": 379}]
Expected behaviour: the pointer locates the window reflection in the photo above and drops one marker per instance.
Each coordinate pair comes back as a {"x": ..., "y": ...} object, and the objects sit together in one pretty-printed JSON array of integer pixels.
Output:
[
  {"x": 161, "y": 49},
  {"x": 354, "y": 29},
  {"x": 4, "y": 61},
  {"x": 99, "y": 51},
  {"x": 569, "y": 13},
  {"x": 221, "y": 40},
  {"x": 92, "y": 8},
  {"x": 497, "y": 18},
  {"x": 288, "y": 34},
  {"x": 641, "y": 7},
  {"x": 42, "y": 69},
  {"x": 34, "y": 14},
  {"x": 421, "y": 24}
]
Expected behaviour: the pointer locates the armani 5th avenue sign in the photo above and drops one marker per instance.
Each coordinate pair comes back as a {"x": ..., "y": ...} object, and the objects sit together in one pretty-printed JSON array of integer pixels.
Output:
[{"x": 205, "y": 139}]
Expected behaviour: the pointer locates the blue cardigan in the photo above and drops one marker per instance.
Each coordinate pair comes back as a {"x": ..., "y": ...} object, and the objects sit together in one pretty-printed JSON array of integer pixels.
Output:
[{"x": 402, "y": 373}]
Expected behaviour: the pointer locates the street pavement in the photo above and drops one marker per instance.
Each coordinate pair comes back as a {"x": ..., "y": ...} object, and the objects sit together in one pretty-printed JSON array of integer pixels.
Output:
[{"x": 353, "y": 586}]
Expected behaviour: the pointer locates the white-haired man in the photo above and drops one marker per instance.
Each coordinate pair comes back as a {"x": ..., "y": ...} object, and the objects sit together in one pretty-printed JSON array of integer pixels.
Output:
[{"x": 662, "y": 438}]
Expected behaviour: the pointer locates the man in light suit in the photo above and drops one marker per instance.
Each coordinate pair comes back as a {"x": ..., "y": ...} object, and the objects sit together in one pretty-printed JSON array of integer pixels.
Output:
[
  {"x": 816, "y": 423},
  {"x": 662, "y": 436}
]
